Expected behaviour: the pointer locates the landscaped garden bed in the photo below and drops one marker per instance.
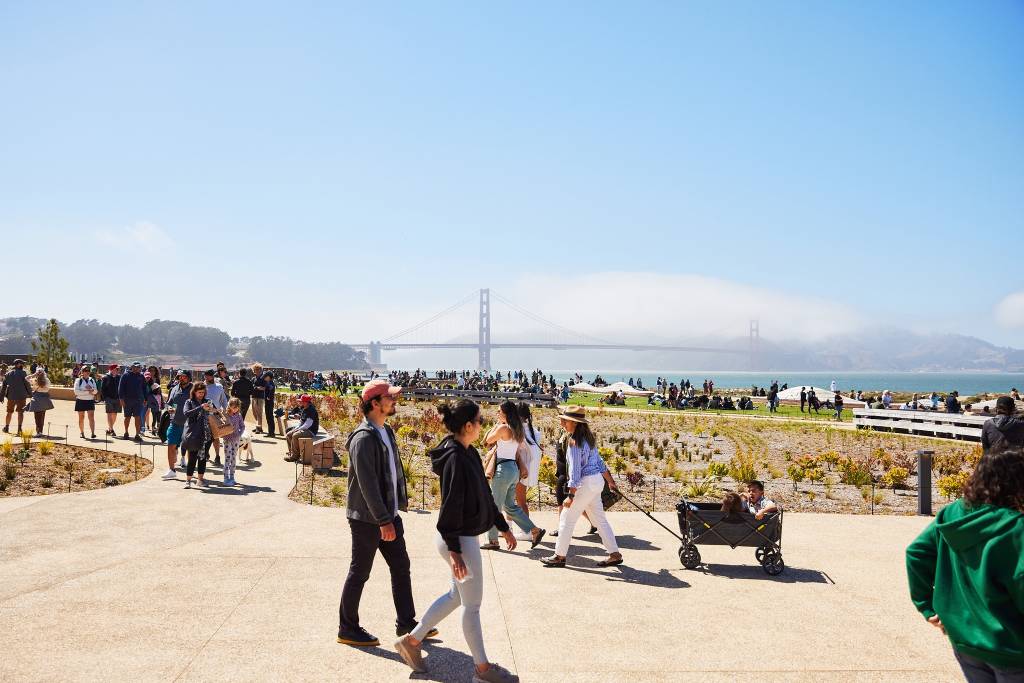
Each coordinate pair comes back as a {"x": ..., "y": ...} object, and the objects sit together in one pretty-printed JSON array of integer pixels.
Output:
[
  {"x": 659, "y": 458},
  {"x": 38, "y": 468}
]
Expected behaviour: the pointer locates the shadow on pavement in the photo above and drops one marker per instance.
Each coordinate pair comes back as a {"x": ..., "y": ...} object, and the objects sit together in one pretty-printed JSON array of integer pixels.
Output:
[
  {"x": 663, "y": 578},
  {"x": 745, "y": 571},
  {"x": 443, "y": 663},
  {"x": 236, "y": 490}
]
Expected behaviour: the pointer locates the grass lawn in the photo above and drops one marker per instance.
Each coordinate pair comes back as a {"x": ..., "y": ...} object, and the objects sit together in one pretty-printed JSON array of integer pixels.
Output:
[{"x": 639, "y": 403}]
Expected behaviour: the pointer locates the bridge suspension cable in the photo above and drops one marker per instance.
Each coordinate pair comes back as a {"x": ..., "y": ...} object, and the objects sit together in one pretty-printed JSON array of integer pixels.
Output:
[
  {"x": 462, "y": 302},
  {"x": 573, "y": 334}
]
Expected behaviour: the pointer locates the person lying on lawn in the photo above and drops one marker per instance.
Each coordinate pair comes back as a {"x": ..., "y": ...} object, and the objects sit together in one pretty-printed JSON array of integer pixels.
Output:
[{"x": 755, "y": 501}]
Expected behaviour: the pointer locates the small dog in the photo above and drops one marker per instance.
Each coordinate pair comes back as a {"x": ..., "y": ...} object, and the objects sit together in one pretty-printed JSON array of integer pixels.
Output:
[{"x": 245, "y": 444}]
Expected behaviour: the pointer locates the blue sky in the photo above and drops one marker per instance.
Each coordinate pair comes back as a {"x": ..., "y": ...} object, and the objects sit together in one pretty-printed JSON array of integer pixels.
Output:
[{"x": 794, "y": 162}]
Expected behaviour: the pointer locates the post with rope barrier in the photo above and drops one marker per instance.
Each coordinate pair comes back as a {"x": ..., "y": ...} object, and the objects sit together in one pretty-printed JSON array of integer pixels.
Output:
[{"x": 312, "y": 476}]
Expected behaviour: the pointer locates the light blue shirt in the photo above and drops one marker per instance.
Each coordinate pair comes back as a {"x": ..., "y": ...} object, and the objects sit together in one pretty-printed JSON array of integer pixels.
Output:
[{"x": 584, "y": 460}]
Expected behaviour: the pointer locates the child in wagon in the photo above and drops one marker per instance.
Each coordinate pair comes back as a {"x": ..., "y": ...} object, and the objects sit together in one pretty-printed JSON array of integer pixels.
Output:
[{"x": 755, "y": 501}]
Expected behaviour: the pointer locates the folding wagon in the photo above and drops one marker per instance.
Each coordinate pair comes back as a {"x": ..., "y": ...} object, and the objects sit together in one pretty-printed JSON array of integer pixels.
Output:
[{"x": 707, "y": 524}]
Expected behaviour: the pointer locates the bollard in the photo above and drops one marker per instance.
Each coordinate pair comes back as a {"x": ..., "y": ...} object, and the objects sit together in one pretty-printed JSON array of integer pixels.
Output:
[
  {"x": 312, "y": 476},
  {"x": 423, "y": 493},
  {"x": 654, "y": 496},
  {"x": 924, "y": 482}
]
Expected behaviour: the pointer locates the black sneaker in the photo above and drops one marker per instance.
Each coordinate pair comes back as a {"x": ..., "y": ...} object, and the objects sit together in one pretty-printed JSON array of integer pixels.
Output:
[
  {"x": 125, "y": 437},
  {"x": 402, "y": 630},
  {"x": 137, "y": 439},
  {"x": 358, "y": 638}
]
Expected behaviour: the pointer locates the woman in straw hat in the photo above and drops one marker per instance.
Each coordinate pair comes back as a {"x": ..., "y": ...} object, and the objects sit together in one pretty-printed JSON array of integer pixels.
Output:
[{"x": 587, "y": 475}]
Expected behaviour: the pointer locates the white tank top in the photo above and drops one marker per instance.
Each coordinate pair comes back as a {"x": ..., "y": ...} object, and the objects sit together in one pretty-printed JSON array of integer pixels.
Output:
[{"x": 507, "y": 449}]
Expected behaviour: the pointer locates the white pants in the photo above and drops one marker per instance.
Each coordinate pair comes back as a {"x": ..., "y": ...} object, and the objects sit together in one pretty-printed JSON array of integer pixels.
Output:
[{"x": 588, "y": 498}]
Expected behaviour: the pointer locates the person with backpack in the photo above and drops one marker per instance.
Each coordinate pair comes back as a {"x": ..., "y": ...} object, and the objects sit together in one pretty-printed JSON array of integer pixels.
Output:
[{"x": 966, "y": 571}]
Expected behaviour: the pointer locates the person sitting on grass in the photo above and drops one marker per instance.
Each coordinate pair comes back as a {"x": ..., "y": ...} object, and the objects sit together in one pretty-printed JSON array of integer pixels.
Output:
[
  {"x": 966, "y": 571},
  {"x": 755, "y": 501}
]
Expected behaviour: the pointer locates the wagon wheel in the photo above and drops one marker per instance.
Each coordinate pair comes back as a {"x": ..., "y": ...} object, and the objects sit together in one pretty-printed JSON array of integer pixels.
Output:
[
  {"x": 773, "y": 564},
  {"x": 689, "y": 556},
  {"x": 762, "y": 552}
]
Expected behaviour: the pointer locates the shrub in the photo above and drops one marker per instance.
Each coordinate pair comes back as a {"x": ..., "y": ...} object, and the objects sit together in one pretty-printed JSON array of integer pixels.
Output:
[
  {"x": 435, "y": 487},
  {"x": 7, "y": 448},
  {"x": 718, "y": 469},
  {"x": 10, "y": 471},
  {"x": 854, "y": 472},
  {"x": 21, "y": 455},
  {"x": 895, "y": 477},
  {"x": 338, "y": 493},
  {"x": 635, "y": 480},
  {"x": 619, "y": 464},
  {"x": 952, "y": 485},
  {"x": 47, "y": 481},
  {"x": 741, "y": 467},
  {"x": 45, "y": 447},
  {"x": 26, "y": 438},
  {"x": 702, "y": 489},
  {"x": 3, "y": 485},
  {"x": 546, "y": 474}
]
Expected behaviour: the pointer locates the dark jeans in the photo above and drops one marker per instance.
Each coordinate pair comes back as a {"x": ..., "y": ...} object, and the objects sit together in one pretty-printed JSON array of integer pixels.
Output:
[
  {"x": 977, "y": 671},
  {"x": 268, "y": 410},
  {"x": 245, "y": 407},
  {"x": 193, "y": 460},
  {"x": 366, "y": 542}
]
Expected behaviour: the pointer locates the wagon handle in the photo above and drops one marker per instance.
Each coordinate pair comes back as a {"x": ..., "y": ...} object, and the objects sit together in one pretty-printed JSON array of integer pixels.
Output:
[{"x": 631, "y": 502}]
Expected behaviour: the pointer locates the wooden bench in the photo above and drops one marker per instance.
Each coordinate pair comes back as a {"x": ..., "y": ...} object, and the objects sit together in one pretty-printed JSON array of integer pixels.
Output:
[
  {"x": 480, "y": 396},
  {"x": 922, "y": 422},
  {"x": 317, "y": 452}
]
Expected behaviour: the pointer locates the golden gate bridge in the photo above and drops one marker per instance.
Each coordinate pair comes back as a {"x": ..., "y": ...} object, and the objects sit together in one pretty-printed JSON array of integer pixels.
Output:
[{"x": 485, "y": 344}]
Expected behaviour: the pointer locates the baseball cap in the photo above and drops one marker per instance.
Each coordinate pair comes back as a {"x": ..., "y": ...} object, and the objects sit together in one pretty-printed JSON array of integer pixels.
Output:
[
  {"x": 379, "y": 387},
  {"x": 136, "y": 364},
  {"x": 112, "y": 366},
  {"x": 185, "y": 372},
  {"x": 305, "y": 398}
]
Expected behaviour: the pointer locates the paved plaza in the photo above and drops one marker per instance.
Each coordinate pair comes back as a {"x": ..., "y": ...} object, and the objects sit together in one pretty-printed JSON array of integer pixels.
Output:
[{"x": 151, "y": 582}]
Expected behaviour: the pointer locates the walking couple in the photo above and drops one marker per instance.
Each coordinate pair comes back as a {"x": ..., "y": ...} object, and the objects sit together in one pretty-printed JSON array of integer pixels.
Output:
[{"x": 376, "y": 495}]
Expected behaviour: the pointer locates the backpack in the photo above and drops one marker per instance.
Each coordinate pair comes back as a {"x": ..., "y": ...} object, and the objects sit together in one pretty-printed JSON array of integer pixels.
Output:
[{"x": 164, "y": 424}]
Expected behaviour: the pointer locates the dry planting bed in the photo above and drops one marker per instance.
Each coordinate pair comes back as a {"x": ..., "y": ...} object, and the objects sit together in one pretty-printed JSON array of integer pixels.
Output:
[
  {"x": 660, "y": 458},
  {"x": 45, "y": 467}
]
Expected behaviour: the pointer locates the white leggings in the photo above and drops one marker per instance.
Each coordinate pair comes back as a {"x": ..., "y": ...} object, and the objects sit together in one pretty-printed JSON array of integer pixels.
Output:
[
  {"x": 469, "y": 594},
  {"x": 588, "y": 498}
]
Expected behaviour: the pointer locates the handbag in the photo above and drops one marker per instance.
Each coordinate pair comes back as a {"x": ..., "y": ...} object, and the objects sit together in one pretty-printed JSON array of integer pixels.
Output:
[
  {"x": 220, "y": 425},
  {"x": 491, "y": 462},
  {"x": 609, "y": 497}
]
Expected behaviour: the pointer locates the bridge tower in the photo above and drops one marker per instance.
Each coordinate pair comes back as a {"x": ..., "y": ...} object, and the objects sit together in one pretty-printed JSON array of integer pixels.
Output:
[
  {"x": 484, "y": 348},
  {"x": 755, "y": 343},
  {"x": 375, "y": 357}
]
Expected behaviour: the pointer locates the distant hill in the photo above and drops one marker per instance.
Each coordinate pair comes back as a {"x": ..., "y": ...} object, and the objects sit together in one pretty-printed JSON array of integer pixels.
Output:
[{"x": 179, "y": 340}]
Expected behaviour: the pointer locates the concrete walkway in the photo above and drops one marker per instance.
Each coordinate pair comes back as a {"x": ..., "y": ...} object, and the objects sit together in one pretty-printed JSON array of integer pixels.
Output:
[{"x": 149, "y": 581}]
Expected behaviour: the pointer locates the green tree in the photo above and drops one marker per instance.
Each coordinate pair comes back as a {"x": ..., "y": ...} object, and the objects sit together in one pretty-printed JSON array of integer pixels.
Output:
[{"x": 50, "y": 348}]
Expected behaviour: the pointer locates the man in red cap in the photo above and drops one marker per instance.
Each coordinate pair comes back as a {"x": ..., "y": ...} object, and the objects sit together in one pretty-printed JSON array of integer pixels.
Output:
[
  {"x": 108, "y": 392},
  {"x": 309, "y": 425},
  {"x": 376, "y": 493}
]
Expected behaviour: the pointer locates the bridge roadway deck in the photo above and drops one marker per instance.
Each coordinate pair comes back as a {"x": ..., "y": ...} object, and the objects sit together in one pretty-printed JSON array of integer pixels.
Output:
[{"x": 151, "y": 582}]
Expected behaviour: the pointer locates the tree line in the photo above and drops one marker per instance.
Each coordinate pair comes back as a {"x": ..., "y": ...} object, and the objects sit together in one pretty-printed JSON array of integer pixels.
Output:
[{"x": 175, "y": 338}]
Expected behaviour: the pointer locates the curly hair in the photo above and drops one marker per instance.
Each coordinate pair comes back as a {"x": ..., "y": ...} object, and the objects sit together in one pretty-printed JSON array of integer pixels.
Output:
[{"x": 997, "y": 480}]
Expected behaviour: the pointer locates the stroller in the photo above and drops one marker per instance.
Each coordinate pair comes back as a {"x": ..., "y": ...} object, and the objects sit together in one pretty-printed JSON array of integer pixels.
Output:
[{"x": 707, "y": 524}]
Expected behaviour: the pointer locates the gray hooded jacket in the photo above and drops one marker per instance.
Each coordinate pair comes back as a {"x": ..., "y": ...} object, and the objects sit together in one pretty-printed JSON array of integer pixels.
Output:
[
  {"x": 1002, "y": 432},
  {"x": 370, "y": 493}
]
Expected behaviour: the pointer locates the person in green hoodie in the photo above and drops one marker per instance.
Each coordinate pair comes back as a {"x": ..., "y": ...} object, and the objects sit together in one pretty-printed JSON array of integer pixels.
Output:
[{"x": 966, "y": 571}]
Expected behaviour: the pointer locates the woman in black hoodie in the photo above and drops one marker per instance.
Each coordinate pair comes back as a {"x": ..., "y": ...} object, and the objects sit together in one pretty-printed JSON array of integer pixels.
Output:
[{"x": 467, "y": 510}]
